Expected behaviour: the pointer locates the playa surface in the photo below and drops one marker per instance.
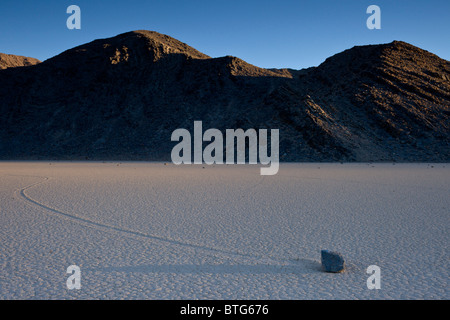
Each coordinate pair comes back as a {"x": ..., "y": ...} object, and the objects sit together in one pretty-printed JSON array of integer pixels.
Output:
[{"x": 159, "y": 231}]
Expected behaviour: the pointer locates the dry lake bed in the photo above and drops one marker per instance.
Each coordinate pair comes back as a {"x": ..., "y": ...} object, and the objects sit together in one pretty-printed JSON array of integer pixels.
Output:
[{"x": 141, "y": 230}]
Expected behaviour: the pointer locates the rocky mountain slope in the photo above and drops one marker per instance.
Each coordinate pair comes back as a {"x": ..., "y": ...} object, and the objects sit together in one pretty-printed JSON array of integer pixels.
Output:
[
  {"x": 12, "y": 61},
  {"x": 121, "y": 98}
]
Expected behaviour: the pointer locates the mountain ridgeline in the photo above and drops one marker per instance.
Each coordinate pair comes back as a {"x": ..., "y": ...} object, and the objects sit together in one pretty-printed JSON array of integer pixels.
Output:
[{"x": 121, "y": 98}]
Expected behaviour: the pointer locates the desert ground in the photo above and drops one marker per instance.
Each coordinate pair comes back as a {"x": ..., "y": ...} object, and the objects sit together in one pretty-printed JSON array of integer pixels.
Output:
[{"x": 140, "y": 230}]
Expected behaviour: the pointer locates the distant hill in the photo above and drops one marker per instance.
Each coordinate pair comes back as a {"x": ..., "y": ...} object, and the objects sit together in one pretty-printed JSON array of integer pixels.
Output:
[
  {"x": 121, "y": 98},
  {"x": 12, "y": 61}
]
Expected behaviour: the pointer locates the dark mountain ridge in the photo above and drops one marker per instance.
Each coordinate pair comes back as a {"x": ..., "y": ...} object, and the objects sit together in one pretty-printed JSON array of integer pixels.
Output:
[{"x": 121, "y": 98}]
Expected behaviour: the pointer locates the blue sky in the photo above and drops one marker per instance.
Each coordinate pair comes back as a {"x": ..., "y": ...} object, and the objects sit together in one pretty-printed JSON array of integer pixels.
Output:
[{"x": 295, "y": 34}]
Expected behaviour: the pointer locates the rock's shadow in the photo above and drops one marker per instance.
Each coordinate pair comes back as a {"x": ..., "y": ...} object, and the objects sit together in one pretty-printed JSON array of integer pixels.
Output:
[{"x": 302, "y": 266}]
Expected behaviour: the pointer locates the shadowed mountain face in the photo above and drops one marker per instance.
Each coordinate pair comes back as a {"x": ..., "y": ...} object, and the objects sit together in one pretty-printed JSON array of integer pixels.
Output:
[{"x": 121, "y": 98}]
